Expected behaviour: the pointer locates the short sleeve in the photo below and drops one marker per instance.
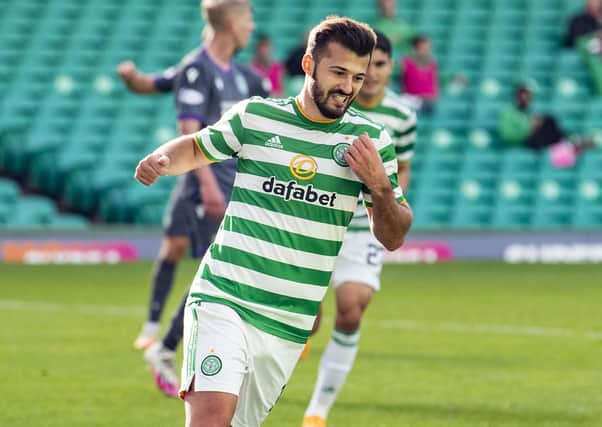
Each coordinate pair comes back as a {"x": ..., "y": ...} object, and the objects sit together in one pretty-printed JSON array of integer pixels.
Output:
[
  {"x": 165, "y": 80},
  {"x": 223, "y": 140},
  {"x": 193, "y": 93},
  {"x": 386, "y": 149}
]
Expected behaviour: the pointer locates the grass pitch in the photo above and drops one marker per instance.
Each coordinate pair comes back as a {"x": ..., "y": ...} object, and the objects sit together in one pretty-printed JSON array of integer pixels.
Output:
[{"x": 467, "y": 344}]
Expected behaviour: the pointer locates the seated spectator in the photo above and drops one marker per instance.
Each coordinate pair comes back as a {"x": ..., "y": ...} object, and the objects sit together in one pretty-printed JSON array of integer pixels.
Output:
[
  {"x": 419, "y": 74},
  {"x": 518, "y": 126},
  {"x": 586, "y": 22},
  {"x": 397, "y": 30},
  {"x": 264, "y": 65}
]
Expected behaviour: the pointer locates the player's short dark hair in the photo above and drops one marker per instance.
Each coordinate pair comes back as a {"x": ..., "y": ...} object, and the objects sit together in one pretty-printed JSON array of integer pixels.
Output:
[
  {"x": 353, "y": 35},
  {"x": 383, "y": 43}
]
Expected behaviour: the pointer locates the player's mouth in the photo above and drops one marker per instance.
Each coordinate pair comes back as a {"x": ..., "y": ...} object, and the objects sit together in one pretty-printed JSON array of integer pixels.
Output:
[{"x": 339, "y": 98}]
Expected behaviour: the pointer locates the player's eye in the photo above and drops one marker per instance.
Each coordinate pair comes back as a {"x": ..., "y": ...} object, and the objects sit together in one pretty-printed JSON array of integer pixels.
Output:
[{"x": 359, "y": 78}]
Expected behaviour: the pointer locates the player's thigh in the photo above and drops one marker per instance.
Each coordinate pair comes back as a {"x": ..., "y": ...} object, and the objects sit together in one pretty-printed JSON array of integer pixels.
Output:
[
  {"x": 215, "y": 357},
  {"x": 271, "y": 365},
  {"x": 209, "y": 409}
]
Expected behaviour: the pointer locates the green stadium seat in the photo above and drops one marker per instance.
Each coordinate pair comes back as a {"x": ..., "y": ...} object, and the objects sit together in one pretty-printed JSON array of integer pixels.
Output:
[
  {"x": 68, "y": 222},
  {"x": 512, "y": 216},
  {"x": 9, "y": 192},
  {"x": 552, "y": 217},
  {"x": 31, "y": 211}
]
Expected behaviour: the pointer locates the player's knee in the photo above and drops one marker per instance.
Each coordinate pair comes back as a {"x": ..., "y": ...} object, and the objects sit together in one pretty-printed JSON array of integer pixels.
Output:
[
  {"x": 173, "y": 250},
  {"x": 349, "y": 320},
  {"x": 210, "y": 420}
]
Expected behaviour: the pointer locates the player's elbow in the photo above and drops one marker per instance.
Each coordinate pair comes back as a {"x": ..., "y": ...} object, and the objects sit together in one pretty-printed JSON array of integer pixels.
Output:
[{"x": 393, "y": 244}]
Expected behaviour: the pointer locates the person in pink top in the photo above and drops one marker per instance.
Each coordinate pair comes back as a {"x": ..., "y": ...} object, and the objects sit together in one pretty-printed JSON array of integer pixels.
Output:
[
  {"x": 266, "y": 66},
  {"x": 420, "y": 75}
]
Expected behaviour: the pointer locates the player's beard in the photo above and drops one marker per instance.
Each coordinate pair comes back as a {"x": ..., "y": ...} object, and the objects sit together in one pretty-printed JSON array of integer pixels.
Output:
[{"x": 320, "y": 98}]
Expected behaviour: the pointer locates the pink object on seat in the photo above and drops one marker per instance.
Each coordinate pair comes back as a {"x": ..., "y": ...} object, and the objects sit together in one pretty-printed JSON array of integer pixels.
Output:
[{"x": 562, "y": 155}]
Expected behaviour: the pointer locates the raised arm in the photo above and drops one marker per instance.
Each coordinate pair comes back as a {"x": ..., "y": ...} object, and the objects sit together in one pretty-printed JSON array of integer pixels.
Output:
[{"x": 136, "y": 81}]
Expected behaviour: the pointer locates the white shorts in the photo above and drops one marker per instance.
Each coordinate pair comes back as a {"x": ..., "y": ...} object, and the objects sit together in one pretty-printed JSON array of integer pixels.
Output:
[
  {"x": 359, "y": 261},
  {"x": 224, "y": 353}
]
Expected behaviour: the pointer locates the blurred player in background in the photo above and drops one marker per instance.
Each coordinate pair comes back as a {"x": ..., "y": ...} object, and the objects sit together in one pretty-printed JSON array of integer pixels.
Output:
[
  {"x": 206, "y": 83},
  {"x": 302, "y": 164},
  {"x": 357, "y": 271}
]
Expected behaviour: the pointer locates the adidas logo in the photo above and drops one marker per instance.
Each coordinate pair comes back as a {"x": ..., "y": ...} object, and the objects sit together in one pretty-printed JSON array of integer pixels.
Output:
[{"x": 274, "y": 142}]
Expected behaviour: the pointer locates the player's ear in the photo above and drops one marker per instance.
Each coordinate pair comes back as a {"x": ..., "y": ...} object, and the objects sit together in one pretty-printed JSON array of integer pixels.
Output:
[{"x": 308, "y": 64}]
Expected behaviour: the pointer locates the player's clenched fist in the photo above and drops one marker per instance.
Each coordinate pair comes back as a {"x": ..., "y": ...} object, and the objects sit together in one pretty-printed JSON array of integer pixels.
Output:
[
  {"x": 152, "y": 167},
  {"x": 365, "y": 161},
  {"x": 127, "y": 70}
]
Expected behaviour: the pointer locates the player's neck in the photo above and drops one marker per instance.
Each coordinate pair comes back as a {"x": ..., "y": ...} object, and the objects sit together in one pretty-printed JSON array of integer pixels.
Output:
[
  {"x": 369, "y": 101},
  {"x": 221, "y": 50}
]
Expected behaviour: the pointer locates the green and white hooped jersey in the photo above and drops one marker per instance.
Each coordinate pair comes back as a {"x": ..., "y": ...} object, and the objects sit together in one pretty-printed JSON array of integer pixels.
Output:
[
  {"x": 400, "y": 121},
  {"x": 293, "y": 198}
]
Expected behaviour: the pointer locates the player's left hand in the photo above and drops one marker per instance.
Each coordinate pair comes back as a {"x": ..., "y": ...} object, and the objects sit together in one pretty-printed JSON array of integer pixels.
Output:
[{"x": 364, "y": 160}]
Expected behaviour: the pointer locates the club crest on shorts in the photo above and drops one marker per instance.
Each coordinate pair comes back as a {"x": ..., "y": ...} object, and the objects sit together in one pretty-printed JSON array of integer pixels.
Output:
[
  {"x": 338, "y": 153},
  {"x": 211, "y": 365}
]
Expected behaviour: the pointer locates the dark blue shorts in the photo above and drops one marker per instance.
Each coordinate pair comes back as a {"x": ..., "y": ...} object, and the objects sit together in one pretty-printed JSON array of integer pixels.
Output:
[{"x": 184, "y": 218}]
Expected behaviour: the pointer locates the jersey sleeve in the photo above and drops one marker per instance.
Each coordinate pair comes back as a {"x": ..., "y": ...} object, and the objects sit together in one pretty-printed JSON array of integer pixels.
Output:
[
  {"x": 404, "y": 138},
  {"x": 193, "y": 93},
  {"x": 386, "y": 149},
  {"x": 165, "y": 80},
  {"x": 223, "y": 140}
]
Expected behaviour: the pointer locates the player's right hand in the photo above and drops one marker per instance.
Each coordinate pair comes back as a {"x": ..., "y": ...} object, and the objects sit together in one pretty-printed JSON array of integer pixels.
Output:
[
  {"x": 214, "y": 203},
  {"x": 152, "y": 167},
  {"x": 126, "y": 70}
]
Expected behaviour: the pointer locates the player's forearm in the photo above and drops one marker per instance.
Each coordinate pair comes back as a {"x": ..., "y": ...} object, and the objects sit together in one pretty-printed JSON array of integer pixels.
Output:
[
  {"x": 184, "y": 155},
  {"x": 390, "y": 220},
  {"x": 141, "y": 83}
]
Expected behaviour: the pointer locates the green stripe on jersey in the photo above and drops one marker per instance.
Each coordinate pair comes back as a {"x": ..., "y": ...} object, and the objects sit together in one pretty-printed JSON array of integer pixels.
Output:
[
  {"x": 269, "y": 267},
  {"x": 404, "y": 148},
  {"x": 277, "y": 236},
  {"x": 263, "y": 323},
  {"x": 199, "y": 143},
  {"x": 292, "y": 207},
  {"x": 218, "y": 141},
  {"x": 259, "y": 296},
  {"x": 398, "y": 134},
  {"x": 283, "y": 173},
  {"x": 387, "y": 153}
]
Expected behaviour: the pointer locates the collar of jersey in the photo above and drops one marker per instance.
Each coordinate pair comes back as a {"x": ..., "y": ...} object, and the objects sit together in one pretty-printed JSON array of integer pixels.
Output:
[{"x": 320, "y": 124}]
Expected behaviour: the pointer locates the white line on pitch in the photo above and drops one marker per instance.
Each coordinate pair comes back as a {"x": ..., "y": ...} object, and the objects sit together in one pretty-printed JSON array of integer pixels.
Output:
[
  {"x": 492, "y": 329},
  {"x": 410, "y": 325},
  {"x": 47, "y": 307}
]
